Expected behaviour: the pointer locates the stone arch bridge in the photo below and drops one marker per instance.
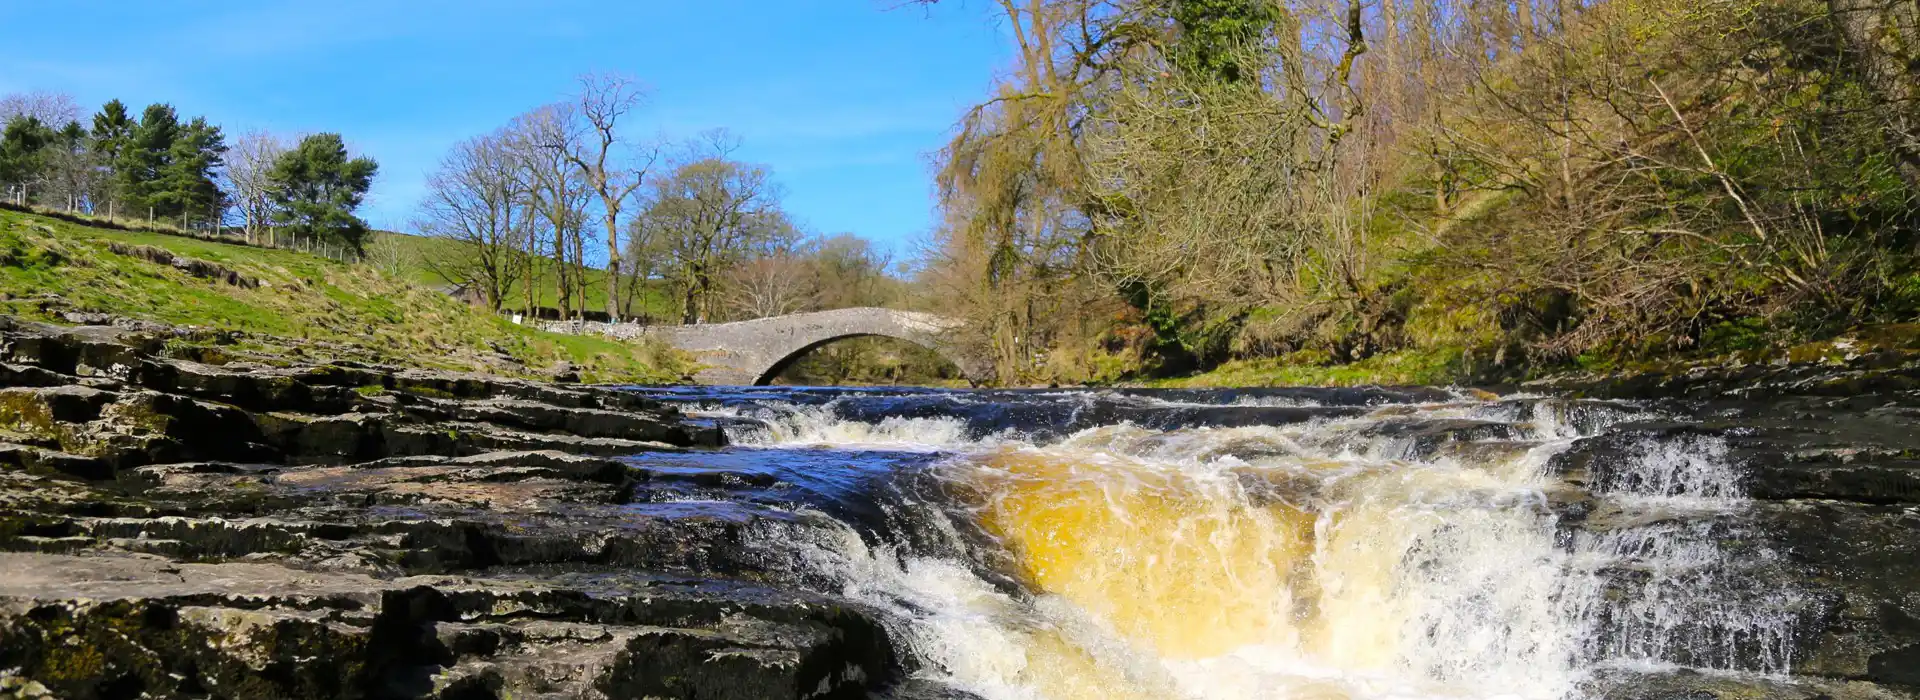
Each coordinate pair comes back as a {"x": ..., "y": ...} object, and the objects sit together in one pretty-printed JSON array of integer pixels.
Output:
[{"x": 754, "y": 352}]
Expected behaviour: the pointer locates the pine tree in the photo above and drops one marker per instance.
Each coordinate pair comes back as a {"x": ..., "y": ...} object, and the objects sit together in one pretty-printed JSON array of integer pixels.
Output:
[
  {"x": 186, "y": 183},
  {"x": 144, "y": 160},
  {"x": 112, "y": 131},
  {"x": 316, "y": 189},
  {"x": 23, "y": 155}
]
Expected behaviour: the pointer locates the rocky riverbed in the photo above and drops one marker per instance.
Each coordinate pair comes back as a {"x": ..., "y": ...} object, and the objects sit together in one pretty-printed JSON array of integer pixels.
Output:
[
  {"x": 179, "y": 523},
  {"x": 179, "y": 529}
]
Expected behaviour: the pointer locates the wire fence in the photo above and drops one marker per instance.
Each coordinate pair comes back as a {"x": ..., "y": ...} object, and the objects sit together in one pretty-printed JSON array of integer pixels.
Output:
[{"x": 269, "y": 238}]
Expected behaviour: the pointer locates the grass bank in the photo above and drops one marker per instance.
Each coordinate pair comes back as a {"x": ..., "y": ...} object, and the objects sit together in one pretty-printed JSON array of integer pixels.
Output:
[
  {"x": 410, "y": 257},
  {"x": 1408, "y": 367},
  {"x": 285, "y": 302}
]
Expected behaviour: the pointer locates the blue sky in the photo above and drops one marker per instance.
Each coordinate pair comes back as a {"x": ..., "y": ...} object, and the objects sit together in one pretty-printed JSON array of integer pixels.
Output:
[{"x": 845, "y": 100}]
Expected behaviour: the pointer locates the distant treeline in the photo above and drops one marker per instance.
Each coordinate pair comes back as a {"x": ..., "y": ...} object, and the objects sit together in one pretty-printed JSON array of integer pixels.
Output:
[
  {"x": 563, "y": 207},
  {"x": 183, "y": 174}
]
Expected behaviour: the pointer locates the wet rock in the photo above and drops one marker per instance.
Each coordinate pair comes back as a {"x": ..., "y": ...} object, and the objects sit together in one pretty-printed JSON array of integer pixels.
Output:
[
  {"x": 583, "y": 422},
  {"x": 1859, "y": 561},
  {"x": 1870, "y": 373},
  {"x": 924, "y": 690},
  {"x": 20, "y": 375},
  {"x": 1690, "y": 685},
  {"x": 334, "y": 536},
  {"x": 174, "y": 528},
  {"x": 746, "y": 658},
  {"x": 1422, "y": 439},
  {"x": 1874, "y": 481},
  {"x": 251, "y": 388}
]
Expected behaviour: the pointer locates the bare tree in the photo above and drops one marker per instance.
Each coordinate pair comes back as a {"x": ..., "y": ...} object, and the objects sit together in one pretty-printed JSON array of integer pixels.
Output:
[
  {"x": 248, "y": 161},
  {"x": 710, "y": 214},
  {"x": 647, "y": 250},
  {"x": 603, "y": 100},
  {"x": 389, "y": 253},
  {"x": 73, "y": 177},
  {"x": 478, "y": 199},
  {"x": 536, "y": 248},
  {"x": 770, "y": 286},
  {"x": 847, "y": 271},
  {"x": 54, "y": 109},
  {"x": 540, "y": 140},
  {"x": 1884, "y": 39}
]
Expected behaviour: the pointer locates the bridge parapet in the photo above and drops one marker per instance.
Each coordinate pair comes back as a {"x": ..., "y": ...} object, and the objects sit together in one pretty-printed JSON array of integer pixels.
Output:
[{"x": 753, "y": 352}]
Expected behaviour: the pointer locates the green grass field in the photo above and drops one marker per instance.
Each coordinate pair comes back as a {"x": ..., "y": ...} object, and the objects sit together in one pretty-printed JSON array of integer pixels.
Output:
[
  {"x": 304, "y": 305},
  {"x": 413, "y": 256}
]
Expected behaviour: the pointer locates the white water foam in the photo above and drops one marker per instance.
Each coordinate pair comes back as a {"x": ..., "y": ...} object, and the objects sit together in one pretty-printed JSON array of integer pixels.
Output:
[
  {"x": 1445, "y": 577},
  {"x": 817, "y": 426}
]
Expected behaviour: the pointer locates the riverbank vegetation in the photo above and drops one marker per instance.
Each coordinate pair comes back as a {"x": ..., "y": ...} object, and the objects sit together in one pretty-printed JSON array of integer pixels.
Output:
[{"x": 1457, "y": 189}]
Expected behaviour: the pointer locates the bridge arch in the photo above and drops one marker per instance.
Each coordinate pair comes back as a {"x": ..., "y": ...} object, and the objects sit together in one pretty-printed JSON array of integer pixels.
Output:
[
  {"x": 753, "y": 352},
  {"x": 779, "y": 366}
]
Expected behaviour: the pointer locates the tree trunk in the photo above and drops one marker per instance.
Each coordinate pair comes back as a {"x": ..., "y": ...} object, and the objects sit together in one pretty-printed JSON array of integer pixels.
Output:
[
  {"x": 563, "y": 293},
  {"x": 613, "y": 268},
  {"x": 527, "y": 282},
  {"x": 690, "y": 313},
  {"x": 577, "y": 273}
]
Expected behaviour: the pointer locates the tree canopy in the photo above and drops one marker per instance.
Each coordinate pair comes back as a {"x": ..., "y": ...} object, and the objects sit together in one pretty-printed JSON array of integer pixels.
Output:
[{"x": 317, "y": 187}]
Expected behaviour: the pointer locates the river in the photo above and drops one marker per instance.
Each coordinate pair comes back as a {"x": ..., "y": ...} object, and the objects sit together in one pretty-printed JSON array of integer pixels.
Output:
[{"x": 1285, "y": 543}]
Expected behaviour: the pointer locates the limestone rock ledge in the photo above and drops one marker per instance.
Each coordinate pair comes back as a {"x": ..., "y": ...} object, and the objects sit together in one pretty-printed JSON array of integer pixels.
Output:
[
  {"x": 180, "y": 529},
  {"x": 113, "y": 625}
]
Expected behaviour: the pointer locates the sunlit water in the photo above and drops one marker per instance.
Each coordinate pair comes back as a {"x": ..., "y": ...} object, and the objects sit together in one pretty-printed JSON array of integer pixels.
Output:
[{"x": 1287, "y": 544}]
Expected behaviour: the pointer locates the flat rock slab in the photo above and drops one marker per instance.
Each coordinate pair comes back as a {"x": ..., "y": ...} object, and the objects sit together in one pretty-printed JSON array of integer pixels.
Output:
[{"x": 121, "y": 625}]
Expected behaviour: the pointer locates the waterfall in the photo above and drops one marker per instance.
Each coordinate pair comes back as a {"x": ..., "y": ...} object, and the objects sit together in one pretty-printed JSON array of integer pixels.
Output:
[{"x": 1388, "y": 550}]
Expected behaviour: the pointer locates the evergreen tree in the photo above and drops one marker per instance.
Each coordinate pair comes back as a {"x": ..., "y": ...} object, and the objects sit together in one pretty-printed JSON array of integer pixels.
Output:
[
  {"x": 187, "y": 188},
  {"x": 316, "y": 189},
  {"x": 112, "y": 132},
  {"x": 73, "y": 135},
  {"x": 23, "y": 151},
  {"x": 144, "y": 160}
]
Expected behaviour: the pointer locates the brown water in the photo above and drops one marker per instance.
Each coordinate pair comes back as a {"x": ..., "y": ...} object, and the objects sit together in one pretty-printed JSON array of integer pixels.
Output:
[{"x": 1095, "y": 545}]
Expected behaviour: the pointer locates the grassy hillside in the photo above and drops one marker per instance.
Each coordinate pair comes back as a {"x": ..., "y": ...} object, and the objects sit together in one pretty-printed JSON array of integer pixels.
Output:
[
  {"x": 285, "y": 302},
  {"x": 411, "y": 257}
]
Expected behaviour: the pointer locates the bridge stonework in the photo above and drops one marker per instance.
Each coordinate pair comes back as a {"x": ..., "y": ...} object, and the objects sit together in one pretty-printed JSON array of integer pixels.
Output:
[{"x": 753, "y": 352}]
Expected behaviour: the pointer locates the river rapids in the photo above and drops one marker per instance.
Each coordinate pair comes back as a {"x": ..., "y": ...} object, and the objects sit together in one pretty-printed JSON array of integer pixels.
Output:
[{"x": 1302, "y": 544}]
